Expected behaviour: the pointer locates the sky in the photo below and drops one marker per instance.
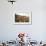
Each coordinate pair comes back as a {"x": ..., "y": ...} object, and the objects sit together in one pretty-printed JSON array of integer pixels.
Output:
[{"x": 8, "y": 30}]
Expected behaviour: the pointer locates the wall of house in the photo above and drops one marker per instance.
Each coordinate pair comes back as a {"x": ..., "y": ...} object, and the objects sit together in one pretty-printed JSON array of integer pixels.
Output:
[{"x": 8, "y": 30}]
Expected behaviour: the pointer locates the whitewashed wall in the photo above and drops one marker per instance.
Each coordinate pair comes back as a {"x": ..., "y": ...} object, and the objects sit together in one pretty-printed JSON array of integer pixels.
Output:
[{"x": 37, "y": 30}]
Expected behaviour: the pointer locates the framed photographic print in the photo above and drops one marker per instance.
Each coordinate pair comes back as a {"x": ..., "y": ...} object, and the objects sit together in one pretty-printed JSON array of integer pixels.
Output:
[{"x": 23, "y": 18}]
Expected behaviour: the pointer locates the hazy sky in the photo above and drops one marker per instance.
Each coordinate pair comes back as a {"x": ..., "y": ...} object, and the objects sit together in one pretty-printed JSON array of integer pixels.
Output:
[{"x": 37, "y": 30}]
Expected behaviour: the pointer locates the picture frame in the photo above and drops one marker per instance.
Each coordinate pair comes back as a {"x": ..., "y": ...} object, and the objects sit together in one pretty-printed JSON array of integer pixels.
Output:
[{"x": 23, "y": 18}]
